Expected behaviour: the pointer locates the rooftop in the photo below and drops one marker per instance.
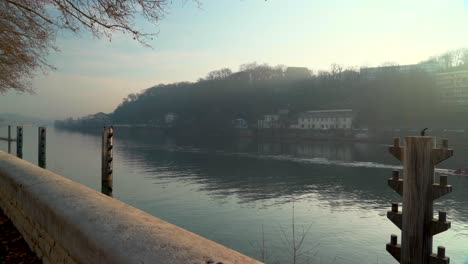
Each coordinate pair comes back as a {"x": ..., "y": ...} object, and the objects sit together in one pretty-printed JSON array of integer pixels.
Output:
[{"x": 329, "y": 111}]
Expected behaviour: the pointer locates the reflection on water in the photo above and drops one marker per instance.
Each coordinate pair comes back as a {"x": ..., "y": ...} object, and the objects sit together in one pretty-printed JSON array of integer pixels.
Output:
[
  {"x": 343, "y": 152},
  {"x": 228, "y": 191}
]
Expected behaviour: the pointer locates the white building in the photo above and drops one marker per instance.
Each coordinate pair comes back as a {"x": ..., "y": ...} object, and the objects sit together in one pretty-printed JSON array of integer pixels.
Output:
[
  {"x": 169, "y": 118},
  {"x": 269, "y": 121},
  {"x": 452, "y": 90},
  {"x": 371, "y": 73},
  {"x": 239, "y": 123},
  {"x": 326, "y": 119}
]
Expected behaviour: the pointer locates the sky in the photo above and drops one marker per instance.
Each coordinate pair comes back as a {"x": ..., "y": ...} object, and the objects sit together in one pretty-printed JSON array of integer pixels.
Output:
[{"x": 93, "y": 75}]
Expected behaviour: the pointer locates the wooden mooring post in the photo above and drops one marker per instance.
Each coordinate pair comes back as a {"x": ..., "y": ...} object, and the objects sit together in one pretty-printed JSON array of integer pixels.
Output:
[
  {"x": 19, "y": 142},
  {"x": 41, "y": 153},
  {"x": 9, "y": 139},
  {"x": 107, "y": 158},
  {"x": 419, "y": 156}
]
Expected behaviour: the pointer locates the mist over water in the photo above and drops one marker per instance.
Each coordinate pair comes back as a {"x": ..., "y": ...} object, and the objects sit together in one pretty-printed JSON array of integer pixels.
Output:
[{"x": 228, "y": 190}]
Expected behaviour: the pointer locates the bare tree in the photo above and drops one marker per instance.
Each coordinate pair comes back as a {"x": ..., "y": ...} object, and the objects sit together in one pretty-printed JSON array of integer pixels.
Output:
[
  {"x": 446, "y": 60},
  {"x": 29, "y": 27},
  {"x": 260, "y": 246},
  {"x": 248, "y": 66},
  {"x": 294, "y": 242},
  {"x": 464, "y": 58},
  {"x": 336, "y": 70},
  {"x": 219, "y": 74},
  {"x": 460, "y": 57},
  {"x": 262, "y": 72}
]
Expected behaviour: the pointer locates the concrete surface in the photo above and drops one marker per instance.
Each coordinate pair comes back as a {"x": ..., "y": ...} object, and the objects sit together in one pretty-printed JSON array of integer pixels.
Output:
[{"x": 66, "y": 222}]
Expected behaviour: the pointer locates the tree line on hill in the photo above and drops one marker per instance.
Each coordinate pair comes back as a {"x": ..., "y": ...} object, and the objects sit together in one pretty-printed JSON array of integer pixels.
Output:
[{"x": 391, "y": 99}]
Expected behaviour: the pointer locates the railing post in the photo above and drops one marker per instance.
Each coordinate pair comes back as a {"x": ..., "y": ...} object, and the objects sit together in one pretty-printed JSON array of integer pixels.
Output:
[
  {"x": 107, "y": 158},
  {"x": 41, "y": 155},
  {"x": 418, "y": 189},
  {"x": 19, "y": 142},
  {"x": 9, "y": 139}
]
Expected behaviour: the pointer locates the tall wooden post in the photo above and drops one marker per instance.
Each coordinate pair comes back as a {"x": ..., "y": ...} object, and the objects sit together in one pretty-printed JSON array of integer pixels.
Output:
[
  {"x": 19, "y": 142},
  {"x": 107, "y": 157},
  {"x": 41, "y": 155},
  {"x": 419, "y": 191},
  {"x": 9, "y": 139}
]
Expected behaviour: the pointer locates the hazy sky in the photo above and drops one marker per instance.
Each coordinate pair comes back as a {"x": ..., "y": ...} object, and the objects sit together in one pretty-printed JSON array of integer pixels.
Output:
[{"x": 94, "y": 74}]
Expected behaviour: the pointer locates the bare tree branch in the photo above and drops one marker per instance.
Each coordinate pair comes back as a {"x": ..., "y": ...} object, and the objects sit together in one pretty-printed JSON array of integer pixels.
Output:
[{"x": 29, "y": 27}]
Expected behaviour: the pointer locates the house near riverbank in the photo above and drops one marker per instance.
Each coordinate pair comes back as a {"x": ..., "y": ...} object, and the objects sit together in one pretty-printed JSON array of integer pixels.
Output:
[
  {"x": 341, "y": 119},
  {"x": 373, "y": 73},
  {"x": 170, "y": 118},
  {"x": 269, "y": 121},
  {"x": 279, "y": 120},
  {"x": 239, "y": 123}
]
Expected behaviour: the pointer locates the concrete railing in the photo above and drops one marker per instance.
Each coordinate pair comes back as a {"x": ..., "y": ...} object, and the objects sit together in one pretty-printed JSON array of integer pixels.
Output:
[{"x": 65, "y": 222}]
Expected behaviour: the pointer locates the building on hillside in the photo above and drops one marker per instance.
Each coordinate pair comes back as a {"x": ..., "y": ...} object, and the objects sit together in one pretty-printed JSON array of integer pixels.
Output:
[
  {"x": 170, "y": 118},
  {"x": 239, "y": 123},
  {"x": 297, "y": 73},
  {"x": 98, "y": 117},
  {"x": 279, "y": 120},
  {"x": 452, "y": 90},
  {"x": 326, "y": 119},
  {"x": 294, "y": 124},
  {"x": 241, "y": 76},
  {"x": 371, "y": 73},
  {"x": 269, "y": 121}
]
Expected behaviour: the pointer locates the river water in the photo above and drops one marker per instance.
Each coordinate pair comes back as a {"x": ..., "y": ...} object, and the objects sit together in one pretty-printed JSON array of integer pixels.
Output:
[{"x": 242, "y": 194}]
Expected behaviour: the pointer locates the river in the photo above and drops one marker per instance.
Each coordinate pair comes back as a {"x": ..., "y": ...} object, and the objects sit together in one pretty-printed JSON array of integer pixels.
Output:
[{"x": 242, "y": 194}]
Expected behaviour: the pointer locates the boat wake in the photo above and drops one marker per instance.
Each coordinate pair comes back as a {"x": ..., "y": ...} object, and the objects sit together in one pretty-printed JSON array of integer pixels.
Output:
[
  {"x": 354, "y": 164},
  {"x": 311, "y": 160}
]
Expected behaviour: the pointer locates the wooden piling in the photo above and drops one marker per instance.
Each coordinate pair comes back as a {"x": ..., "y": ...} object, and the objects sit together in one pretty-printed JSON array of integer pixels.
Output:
[
  {"x": 41, "y": 155},
  {"x": 418, "y": 174},
  {"x": 19, "y": 142},
  {"x": 9, "y": 139},
  {"x": 419, "y": 191},
  {"x": 107, "y": 159}
]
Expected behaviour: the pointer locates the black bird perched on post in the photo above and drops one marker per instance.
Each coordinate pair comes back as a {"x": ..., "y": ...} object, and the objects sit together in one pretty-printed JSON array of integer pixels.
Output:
[{"x": 423, "y": 132}]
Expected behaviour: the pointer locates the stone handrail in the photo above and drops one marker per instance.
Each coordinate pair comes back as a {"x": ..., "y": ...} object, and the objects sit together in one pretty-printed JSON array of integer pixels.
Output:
[{"x": 65, "y": 222}]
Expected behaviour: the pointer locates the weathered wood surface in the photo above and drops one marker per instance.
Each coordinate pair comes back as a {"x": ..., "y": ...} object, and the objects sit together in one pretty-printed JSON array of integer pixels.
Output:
[
  {"x": 440, "y": 257},
  {"x": 107, "y": 159},
  {"x": 394, "y": 248},
  {"x": 418, "y": 191},
  {"x": 9, "y": 139},
  {"x": 19, "y": 142},
  {"x": 418, "y": 176},
  {"x": 395, "y": 216},
  {"x": 396, "y": 183},
  {"x": 396, "y": 150},
  {"x": 41, "y": 150},
  {"x": 442, "y": 188}
]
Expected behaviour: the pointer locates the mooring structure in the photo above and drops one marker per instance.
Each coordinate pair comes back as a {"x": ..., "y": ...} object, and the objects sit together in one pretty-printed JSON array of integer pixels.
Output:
[
  {"x": 107, "y": 153},
  {"x": 41, "y": 150},
  {"x": 418, "y": 189},
  {"x": 19, "y": 142},
  {"x": 107, "y": 158},
  {"x": 8, "y": 139}
]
